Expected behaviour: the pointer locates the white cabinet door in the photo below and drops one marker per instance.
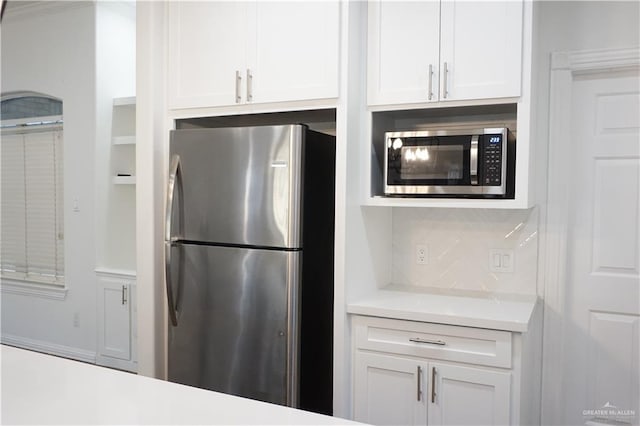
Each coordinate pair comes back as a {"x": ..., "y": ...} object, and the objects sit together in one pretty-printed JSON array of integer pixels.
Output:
[
  {"x": 468, "y": 396},
  {"x": 389, "y": 390},
  {"x": 207, "y": 47},
  {"x": 114, "y": 319},
  {"x": 481, "y": 49},
  {"x": 296, "y": 53},
  {"x": 228, "y": 53},
  {"x": 402, "y": 48}
]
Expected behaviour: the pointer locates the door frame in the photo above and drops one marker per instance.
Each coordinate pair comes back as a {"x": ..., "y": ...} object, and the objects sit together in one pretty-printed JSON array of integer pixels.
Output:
[{"x": 565, "y": 68}]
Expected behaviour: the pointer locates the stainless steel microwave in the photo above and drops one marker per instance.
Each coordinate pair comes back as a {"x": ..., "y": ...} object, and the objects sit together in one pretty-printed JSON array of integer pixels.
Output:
[{"x": 477, "y": 163}]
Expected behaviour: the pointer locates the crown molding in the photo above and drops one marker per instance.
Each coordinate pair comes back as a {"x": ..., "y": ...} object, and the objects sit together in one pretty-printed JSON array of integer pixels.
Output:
[{"x": 595, "y": 60}]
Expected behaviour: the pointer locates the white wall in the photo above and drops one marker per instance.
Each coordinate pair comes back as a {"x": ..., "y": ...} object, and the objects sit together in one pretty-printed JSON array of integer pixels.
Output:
[
  {"x": 570, "y": 26},
  {"x": 83, "y": 53},
  {"x": 53, "y": 53}
]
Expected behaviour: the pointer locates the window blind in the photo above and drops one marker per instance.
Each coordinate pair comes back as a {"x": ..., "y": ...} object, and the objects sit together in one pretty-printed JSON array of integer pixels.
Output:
[{"x": 32, "y": 236}]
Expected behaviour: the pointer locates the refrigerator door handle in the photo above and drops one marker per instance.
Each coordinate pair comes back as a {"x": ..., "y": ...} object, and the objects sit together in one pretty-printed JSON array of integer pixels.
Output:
[
  {"x": 174, "y": 171},
  {"x": 172, "y": 310}
]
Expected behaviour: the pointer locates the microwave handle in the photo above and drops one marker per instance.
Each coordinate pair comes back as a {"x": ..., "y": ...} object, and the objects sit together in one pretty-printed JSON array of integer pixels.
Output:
[{"x": 473, "y": 164}]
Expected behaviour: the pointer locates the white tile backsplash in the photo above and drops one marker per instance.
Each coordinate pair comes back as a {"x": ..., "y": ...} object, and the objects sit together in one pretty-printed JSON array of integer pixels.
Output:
[{"x": 458, "y": 243}]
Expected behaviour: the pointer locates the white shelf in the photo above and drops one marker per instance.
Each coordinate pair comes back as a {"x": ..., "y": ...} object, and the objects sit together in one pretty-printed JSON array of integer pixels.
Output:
[
  {"x": 124, "y": 180},
  {"x": 457, "y": 203},
  {"x": 124, "y": 140},
  {"x": 130, "y": 100}
]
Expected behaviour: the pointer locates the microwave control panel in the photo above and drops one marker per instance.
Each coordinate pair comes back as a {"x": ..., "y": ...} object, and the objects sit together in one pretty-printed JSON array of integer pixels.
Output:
[{"x": 492, "y": 160}]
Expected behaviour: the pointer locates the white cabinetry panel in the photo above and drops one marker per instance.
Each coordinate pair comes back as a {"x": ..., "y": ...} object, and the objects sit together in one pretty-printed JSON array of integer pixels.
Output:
[
  {"x": 234, "y": 53},
  {"x": 452, "y": 50},
  {"x": 207, "y": 45},
  {"x": 116, "y": 320},
  {"x": 389, "y": 390},
  {"x": 403, "y": 46},
  {"x": 481, "y": 45},
  {"x": 395, "y": 384},
  {"x": 296, "y": 51},
  {"x": 468, "y": 396}
]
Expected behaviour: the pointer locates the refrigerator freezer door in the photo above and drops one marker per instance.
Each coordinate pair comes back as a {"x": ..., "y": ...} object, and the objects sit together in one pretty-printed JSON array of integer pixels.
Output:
[
  {"x": 241, "y": 185},
  {"x": 237, "y": 316}
]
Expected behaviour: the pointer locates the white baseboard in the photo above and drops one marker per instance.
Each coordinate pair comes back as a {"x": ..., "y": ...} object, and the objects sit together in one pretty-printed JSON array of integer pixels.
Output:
[{"x": 49, "y": 348}]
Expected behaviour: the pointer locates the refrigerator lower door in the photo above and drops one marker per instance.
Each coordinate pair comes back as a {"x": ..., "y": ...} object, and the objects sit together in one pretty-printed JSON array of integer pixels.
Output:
[{"x": 237, "y": 322}]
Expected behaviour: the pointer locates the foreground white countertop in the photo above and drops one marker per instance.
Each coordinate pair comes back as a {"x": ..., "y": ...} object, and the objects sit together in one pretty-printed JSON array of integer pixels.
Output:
[
  {"x": 499, "y": 312},
  {"x": 43, "y": 389}
]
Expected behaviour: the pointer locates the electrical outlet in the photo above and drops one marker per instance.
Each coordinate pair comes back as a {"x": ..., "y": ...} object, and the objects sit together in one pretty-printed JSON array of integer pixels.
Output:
[
  {"x": 76, "y": 320},
  {"x": 422, "y": 254},
  {"x": 501, "y": 260}
]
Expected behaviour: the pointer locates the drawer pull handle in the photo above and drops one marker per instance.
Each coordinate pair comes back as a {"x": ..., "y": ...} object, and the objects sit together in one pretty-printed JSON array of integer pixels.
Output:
[
  {"x": 427, "y": 341},
  {"x": 419, "y": 373},
  {"x": 433, "y": 385}
]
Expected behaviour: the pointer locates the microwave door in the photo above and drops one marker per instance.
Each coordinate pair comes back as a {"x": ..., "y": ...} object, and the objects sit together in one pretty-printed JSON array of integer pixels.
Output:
[{"x": 433, "y": 164}]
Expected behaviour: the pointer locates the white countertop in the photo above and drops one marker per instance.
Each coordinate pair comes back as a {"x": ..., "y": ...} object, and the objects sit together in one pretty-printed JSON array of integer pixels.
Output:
[
  {"x": 499, "y": 312},
  {"x": 43, "y": 389}
]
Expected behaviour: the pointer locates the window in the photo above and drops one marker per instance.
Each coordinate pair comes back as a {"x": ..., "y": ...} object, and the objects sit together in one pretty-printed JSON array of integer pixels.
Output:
[{"x": 32, "y": 236}]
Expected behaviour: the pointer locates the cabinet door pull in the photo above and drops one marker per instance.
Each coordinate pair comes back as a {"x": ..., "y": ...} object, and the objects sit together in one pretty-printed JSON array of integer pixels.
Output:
[
  {"x": 430, "y": 81},
  {"x": 433, "y": 385},
  {"x": 445, "y": 74},
  {"x": 428, "y": 341},
  {"x": 249, "y": 85},
  {"x": 419, "y": 390},
  {"x": 238, "y": 82},
  {"x": 124, "y": 294}
]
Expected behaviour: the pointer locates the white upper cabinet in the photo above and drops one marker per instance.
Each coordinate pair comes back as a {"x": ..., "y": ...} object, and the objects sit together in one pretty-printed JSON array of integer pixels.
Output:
[
  {"x": 207, "y": 47},
  {"x": 296, "y": 51},
  {"x": 432, "y": 51},
  {"x": 402, "y": 48},
  {"x": 230, "y": 53},
  {"x": 480, "y": 49}
]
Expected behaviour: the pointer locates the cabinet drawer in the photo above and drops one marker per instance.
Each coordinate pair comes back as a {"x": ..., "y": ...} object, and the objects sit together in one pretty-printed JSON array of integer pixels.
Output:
[{"x": 434, "y": 341}]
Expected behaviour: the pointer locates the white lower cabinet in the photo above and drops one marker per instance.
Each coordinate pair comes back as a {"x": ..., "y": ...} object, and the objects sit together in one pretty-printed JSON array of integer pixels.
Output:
[
  {"x": 414, "y": 373},
  {"x": 467, "y": 395},
  {"x": 116, "y": 320},
  {"x": 389, "y": 390}
]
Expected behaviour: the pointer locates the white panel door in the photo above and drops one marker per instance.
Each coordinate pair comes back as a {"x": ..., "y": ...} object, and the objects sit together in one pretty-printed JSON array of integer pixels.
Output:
[
  {"x": 207, "y": 46},
  {"x": 114, "y": 320},
  {"x": 468, "y": 396},
  {"x": 481, "y": 49},
  {"x": 389, "y": 390},
  {"x": 296, "y": 54},
  {"x": 602, "y": 324},
  {"x": 403, "y": 45}
]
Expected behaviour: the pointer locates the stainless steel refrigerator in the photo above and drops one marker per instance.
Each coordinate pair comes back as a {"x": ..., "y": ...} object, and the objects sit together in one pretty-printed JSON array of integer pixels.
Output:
[{"x": 249, "y": 263}]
